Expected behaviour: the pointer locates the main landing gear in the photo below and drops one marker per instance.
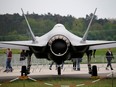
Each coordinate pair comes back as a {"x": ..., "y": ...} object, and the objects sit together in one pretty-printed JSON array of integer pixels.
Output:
[{"x": 93, "y": 70}]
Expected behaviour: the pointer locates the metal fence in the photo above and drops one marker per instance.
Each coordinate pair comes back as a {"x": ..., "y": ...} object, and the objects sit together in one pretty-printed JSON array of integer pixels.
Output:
[{"x": 16, "y": 60}]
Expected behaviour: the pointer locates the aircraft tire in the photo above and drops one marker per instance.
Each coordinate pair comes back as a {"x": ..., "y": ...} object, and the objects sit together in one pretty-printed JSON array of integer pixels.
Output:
[
  {"x": 94, "y": 70},
  {"x": 59, "y": 70}
]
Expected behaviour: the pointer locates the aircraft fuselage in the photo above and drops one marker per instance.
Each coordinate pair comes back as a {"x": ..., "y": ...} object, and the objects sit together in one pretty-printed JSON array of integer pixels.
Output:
[{"x": 59, "y": 49}]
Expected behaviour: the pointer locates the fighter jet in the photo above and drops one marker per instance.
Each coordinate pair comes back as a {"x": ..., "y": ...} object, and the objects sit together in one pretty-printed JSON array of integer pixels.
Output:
[{"x": 58, "y": 45}]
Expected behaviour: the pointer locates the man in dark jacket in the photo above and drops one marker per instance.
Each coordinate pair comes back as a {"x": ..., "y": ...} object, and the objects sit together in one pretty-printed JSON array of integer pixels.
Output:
[{"x": 109, "y": 57}]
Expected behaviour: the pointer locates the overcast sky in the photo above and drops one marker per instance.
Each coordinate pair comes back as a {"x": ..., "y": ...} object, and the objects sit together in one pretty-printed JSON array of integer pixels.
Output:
[{"x": 76, "y": 8}]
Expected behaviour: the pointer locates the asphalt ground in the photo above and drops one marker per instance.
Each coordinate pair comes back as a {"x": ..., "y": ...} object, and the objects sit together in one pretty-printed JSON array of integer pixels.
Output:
[{"x": 42, "y": 71}]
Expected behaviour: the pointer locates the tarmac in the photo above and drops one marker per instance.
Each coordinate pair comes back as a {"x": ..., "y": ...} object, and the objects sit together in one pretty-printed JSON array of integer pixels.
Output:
[{"x": 42, "y": 71}]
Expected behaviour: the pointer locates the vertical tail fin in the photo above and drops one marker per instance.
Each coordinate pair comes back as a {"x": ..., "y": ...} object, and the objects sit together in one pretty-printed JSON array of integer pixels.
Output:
[
  {"x": 29, "y": 27},
  {"x": 86, "y": 33}
]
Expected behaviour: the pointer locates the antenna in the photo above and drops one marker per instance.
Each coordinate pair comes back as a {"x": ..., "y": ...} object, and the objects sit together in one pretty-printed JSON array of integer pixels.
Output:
[
  {"x": 29, "y": 27},
  {"x": 86, "y": 33}
]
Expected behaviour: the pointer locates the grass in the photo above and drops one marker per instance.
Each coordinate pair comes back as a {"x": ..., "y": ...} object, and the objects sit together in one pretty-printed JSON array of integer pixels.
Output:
[
  {"x": 61, "y": 82},
  {"x": 14, "y": 51},
  {"x": 103, "y": 51}
]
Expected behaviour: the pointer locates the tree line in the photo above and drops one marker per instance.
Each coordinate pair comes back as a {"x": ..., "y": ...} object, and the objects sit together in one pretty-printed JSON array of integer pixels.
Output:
[{"x": 14, "y": 27}]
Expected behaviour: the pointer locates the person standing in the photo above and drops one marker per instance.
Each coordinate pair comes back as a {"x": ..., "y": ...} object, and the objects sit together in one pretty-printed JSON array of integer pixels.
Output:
[
  {"x": 8, "y": 60},
  {"x": 109, "y": 57},
  {"x": 76, "y": 63},
  {"x": 23, "y": 63},
  {"x": 51, "y": 65},
  {"x": 22, "y": 55}
]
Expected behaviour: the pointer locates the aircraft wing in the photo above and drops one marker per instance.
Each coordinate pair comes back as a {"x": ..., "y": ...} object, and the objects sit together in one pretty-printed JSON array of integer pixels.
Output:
[
  {"x": 96, "y": 44},
  {"x": 41, "y": 42},
  {"x": 25, "y": 44},
  {"x": 15, "y": 44},
  {"x": 106, "y": 44},
  {"x": 59, "y": 30}
]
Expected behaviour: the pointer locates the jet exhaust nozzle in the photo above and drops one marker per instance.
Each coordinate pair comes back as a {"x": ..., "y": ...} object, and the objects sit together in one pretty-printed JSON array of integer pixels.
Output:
[{"x": 59, "y": 45}]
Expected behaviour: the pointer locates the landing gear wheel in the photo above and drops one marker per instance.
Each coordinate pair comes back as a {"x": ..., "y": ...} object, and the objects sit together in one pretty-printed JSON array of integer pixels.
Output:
[
  {"x": 23, "y": 71},
  {"x": 59, "y": 70},
  {"x": 94, "y": 70}
]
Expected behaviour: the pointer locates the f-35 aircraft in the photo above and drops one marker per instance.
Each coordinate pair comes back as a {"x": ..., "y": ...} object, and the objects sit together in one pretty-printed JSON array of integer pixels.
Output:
[{"x": 58, "y": 45}]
